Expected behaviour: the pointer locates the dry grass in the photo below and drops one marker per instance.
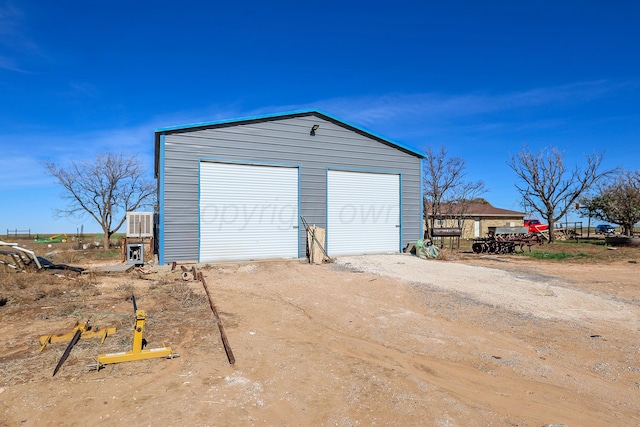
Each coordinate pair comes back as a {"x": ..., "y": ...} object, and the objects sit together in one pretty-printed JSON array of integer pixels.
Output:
[
  {"x": 52, "y": 303},
  {"x": 184, "y": 294},
  {"x": 125, "y": 289},
  {"x": 69, "y": 257},
  {"x": 34, "y": 286},
  {"x": 47, "y": 303},
  {"x": 585, "y": 251}
]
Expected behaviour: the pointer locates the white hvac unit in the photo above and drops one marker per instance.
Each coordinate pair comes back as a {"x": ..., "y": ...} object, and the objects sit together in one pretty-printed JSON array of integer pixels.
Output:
[{"x": 139, "y": 224}]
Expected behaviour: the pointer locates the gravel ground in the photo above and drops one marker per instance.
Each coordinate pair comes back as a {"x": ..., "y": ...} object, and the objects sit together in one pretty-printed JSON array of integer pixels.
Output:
[{"x": 541, "y": 296}]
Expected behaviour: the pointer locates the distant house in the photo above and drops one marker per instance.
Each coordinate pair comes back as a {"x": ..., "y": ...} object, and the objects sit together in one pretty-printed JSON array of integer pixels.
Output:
[{"x": 477, "y": 219}]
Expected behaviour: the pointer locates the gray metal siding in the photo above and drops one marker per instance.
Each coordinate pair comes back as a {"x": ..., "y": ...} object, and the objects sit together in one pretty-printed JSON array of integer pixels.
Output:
[{"x": 278, "y": 141}]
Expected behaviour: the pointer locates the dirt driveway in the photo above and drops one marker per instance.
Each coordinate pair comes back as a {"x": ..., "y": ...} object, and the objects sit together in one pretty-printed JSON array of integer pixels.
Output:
[{"x": 375, "y": 340}]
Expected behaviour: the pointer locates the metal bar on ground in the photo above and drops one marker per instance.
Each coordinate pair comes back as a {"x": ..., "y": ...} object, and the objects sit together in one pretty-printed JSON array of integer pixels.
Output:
[
  {"x": 223, "y": 334},
  {"x": 73, "y": 342}
]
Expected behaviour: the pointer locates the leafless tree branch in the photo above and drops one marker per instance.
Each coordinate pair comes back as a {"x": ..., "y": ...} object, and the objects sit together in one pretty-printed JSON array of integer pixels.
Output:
[
  {"x": 105, "y": 188},
  {"x": 547, "y": 187},
  {"x": 446, "y": 191}
]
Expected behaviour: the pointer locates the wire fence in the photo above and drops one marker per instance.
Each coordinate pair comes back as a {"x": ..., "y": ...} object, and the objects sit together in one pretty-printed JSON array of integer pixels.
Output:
[{"x": 19, "y": 233}]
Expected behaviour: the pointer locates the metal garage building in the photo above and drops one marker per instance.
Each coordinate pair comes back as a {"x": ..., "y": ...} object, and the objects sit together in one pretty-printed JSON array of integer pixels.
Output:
[{"x": 236, "y": 189}]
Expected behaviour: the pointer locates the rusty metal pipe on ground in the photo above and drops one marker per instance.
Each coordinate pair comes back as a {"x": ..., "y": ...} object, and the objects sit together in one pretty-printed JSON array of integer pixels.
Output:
[{"x": 223, "y": 334}]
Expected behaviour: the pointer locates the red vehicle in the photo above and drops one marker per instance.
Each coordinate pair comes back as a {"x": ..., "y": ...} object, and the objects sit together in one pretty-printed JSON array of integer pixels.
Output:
[{"x": 535, "y": 226}]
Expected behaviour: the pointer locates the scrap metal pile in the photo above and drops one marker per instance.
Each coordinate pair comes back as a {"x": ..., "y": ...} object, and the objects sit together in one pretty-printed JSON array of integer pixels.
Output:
[
  {"x": 506, "y": 240},
  {"x": 19, "y": 259}
]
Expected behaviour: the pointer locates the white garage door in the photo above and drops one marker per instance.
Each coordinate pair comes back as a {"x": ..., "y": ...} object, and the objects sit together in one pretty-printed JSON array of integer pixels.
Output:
[
  {"x": 363, "y": 212},
  {"x": 248, "y": 212}
]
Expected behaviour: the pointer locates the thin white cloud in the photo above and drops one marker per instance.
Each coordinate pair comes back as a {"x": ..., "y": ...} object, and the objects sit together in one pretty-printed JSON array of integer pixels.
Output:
[
  {"x": 9, "y": 64},
  {"x": 416, "y": 118},
  {"x": 18, "y": 170},
  {"x": 9, "y": 18},
  {"x": 17, "y": 47},
  {"x": 84, "y": 89},
  {"x": 410, "y": 117},
  {"x": 21, "y": 171},
  {"x": 437, "y": 106},
  {"x": 425, "y": 108}
]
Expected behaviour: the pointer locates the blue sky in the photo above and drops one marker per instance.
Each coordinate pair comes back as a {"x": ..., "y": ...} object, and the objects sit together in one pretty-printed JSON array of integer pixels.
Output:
[{"x": 480, "y": 77}]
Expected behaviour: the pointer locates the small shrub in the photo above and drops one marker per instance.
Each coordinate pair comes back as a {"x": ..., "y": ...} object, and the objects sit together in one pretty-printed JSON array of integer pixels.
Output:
[
  {"x": 67, "y": 257},
  {"x": 185, "y": 296},
  {"x": 126, "y": 290},
  {"x": 70, "y": 310},
  {"x": 88, "y": 279},
  {"x": 164, "y": 280}
]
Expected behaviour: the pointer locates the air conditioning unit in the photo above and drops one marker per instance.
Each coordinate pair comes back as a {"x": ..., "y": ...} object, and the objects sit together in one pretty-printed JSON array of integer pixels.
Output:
[{"x": 139, "y": 224}]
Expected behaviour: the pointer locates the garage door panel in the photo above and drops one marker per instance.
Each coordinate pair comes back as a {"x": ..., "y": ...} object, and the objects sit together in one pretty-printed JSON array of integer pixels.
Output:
[
  {"x": 363, "y": 211},
  {"x": 248, "y": 212}
]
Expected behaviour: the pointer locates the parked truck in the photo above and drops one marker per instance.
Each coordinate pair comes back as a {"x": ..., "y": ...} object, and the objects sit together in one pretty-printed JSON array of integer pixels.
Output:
[{"x": 535, "y": 226}]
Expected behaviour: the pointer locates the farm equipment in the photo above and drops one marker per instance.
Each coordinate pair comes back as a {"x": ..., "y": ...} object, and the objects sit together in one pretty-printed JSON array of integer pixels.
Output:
[
  {"x": 506, "y": 240},
  {"x": 137, "y": 351},
  {"x": 57, "y": 238},
  {"x": 86, "y": 330},
  {"x": 80, "y": 330}
]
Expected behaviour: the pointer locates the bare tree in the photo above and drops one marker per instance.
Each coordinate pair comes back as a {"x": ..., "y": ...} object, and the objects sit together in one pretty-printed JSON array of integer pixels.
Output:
[
  {"x": 547, "y": 187},
  {"x": 617, "y": 200},
  {"x": 105, "y": 188},
  {"x": 446, "y": 191}
]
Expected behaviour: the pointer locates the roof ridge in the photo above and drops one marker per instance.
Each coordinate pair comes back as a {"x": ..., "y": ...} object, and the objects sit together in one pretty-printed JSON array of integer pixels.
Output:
[{"x": 282, "y": 116}]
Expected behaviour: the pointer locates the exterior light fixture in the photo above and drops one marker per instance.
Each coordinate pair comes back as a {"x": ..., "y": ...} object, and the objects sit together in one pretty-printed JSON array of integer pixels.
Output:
[{"x": 314, "y": 128}]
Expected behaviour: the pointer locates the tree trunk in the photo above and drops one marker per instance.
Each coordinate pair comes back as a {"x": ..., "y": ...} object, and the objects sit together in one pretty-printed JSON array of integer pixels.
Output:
[
  {"x": 551, "y": 229},
  {"x": 105, "y": 241}
]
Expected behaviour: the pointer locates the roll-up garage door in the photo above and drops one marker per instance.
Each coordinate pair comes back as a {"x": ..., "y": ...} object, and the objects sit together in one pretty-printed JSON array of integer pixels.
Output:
[
  {"x": 363, "y": 212},
  {"x": 248, "y": 212}
]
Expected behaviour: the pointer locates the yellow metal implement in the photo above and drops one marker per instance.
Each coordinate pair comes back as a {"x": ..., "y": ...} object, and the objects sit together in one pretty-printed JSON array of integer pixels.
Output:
[
  {"x": 136, "y": 352},
  {"x": 86, "y": 330}
]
